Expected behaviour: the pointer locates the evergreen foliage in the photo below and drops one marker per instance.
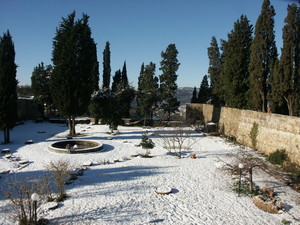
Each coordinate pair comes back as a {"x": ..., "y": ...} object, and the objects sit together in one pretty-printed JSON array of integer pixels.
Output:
[
  {"x": 106, "y": 106},
  {"x": 194, "y": 97},
  {"x": 124, "y": 75},
  {"x": 74, "y": 59},
  {"x": 147, "y": 96},
  {"x": 8, "y": 85},
  {"x": 236, "y": 57},
  {"x": 278, "y": 157},
  {"x": 204, "y": 95},
  {"x": 263, "y": 56},
  {"x": 168, "y": 86},
  {"x": 117, "y": 78},
  {"x": 285, "y": 80},
  {"x": 147, "y": 142},
  {"x": 40, "y": 84},
  {"x": 253, "y": 135},
  {"x": 125, "y": 95},
  {"x": 24, "y": 91},
  {"x": 106, "y": 66},
  {"x": 214, "y": 70}
]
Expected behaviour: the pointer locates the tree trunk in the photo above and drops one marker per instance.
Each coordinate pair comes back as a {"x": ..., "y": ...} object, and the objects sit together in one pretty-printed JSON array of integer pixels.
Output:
[
  {"x": 263, "y": 99},
  {"x": 71, "y": 124},
  {"x": 251, "y": 179},
  {"x": 289, "y": 104},
  {"x": 6, "y": 135}
]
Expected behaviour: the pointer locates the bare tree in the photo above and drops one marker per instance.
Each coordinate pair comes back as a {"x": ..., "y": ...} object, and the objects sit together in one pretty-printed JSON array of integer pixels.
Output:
[
  {"x": 19, "y": 193},
  {"x": 60, "y": 171},
  {"x": 177, "y": 139}
]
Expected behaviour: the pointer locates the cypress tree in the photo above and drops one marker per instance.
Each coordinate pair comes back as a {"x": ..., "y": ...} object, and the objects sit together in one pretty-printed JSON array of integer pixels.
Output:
[
  {"x": 236, "y": 57},
  {"x": 124, "y": 75},
  {"x": 263, "y": 56},
  {"x": 214, "y": 68},
  {"x": 194, "y": 98},
  {"x": 117, "y": 79},
  {"x": 106, "y": 66},
  {"x": 290, "y": 60},
  {"x": 74, "y": 60},
  {"x": 147, "y": 96},
  {"x": 8, "y": 85},
  {"x": 204, "y": 92},
  {"x": 40, "y": 84},
  {"x": 168, "y": 86},
  {"x": 138, "y": 102}
]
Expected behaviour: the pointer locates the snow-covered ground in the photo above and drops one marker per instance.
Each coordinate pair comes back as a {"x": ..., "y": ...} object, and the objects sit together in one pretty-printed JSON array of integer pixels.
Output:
[{"x": 124, "y": 192}]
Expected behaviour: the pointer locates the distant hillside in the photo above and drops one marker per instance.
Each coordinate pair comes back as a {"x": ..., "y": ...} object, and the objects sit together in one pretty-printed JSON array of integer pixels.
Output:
[{"x": 184, "y": 94}]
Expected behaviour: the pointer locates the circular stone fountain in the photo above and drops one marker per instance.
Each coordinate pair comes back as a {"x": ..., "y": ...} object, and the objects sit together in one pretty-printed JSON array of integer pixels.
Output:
[{"x": 75, "y": 146}]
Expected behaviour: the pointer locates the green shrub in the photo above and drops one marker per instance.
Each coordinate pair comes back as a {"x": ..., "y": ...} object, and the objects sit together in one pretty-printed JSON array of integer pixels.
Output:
[
  {"x": 277, "y": 157},
  {"x": 146, "y": 142}
]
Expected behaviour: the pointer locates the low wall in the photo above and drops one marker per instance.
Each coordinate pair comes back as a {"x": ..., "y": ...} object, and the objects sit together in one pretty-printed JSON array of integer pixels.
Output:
[{"x": 275, "y": 132}]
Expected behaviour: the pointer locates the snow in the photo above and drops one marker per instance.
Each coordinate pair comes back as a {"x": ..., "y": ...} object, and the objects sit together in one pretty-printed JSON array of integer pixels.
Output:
[{"x": 123, "y": 191}]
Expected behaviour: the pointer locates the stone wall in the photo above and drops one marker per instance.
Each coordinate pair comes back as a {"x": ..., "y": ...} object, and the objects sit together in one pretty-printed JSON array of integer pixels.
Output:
[{"x": 275, "y": 132}]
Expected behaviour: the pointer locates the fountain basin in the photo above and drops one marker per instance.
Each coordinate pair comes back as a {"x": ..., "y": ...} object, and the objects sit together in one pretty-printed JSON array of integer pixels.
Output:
[{"x": 75, "y": 146}]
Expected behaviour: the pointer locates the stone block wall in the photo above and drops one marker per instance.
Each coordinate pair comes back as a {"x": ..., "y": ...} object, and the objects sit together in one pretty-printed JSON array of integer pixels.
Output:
[{"x": 275, "y": 132}]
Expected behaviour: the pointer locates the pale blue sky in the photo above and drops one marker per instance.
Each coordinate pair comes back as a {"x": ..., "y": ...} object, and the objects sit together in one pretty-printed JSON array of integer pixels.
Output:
[{"x": 138, "y": 30}]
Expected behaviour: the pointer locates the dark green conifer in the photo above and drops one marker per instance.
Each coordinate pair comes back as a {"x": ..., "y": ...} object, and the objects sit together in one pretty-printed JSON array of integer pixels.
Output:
[
  {"x": 194, "y": 98},
  {"x": 204, "y": 94},
  {"x": 106, "y": 66},
  {"x": 147, "y": 96},
  {"x": 117, "y": 79},
  {"x": 8, "y": 85},
  {"x": 263, "y": 56},
  {"x": 214, "y": 69},
  {"x": 289, "y": 65},
  {"x": 168, "y": 86},
  {"x": 74, "y": 59},
  {"x": 124, "y": 75},
  {"x": 236, "y": 58},
  {"x": 40, "y": 84}
]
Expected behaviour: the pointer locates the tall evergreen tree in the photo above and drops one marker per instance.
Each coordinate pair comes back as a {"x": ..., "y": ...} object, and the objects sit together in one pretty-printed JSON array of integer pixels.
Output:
[
  {"x": 263, "y": 56},
  {"x": 117, "y": 79},
  {"x": 147, "y": 96},
  {"x": 236, "y": 57},
  {"x": 124, "y": 75},
  {"x": 106, "y": 66},
  {"x": 168, "y": 86},
  {"x": 74, "y": 59},
  {"x": 214, "y": 69},
  {"x": 8, "y": 85},
  {"x": 204, "y": 94},
  {"x": 138, "y": 102},
  {"x": 285, "y": 81},
  {"x": 40, "y": 84},
  {"x": 194, "y": 98}
]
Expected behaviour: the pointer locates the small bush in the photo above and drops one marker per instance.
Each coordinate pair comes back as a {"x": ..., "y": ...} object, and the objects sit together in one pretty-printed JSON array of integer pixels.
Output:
[
  {"x": 60, "y": 171},
  {"x": 146, "y": 142},
  {"x": 277, "y": 157}
]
